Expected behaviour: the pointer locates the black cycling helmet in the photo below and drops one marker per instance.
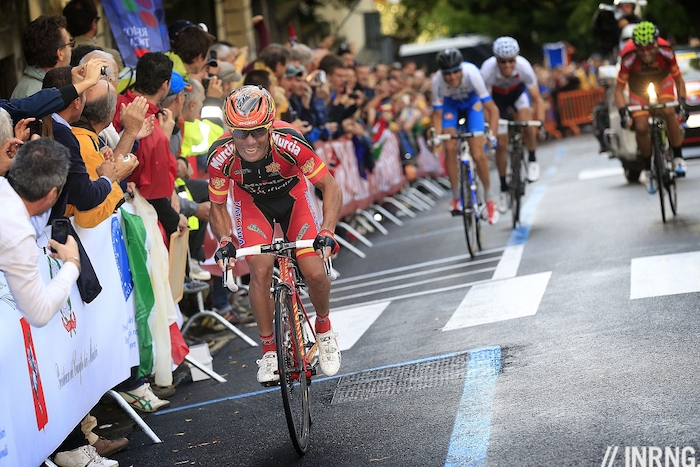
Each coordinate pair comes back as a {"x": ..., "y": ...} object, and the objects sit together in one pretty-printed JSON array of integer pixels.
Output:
[{"x": 449, "y": 59}]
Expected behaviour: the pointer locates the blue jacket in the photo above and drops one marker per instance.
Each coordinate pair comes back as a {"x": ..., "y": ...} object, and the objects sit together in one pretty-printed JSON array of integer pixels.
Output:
[{"x": 40, "y": 104}]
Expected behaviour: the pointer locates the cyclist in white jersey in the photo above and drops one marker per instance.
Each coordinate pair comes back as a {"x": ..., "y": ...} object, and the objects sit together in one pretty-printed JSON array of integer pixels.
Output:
[
  {"x": 515, "y": 90},
  {"x": 459, "y": 90}
]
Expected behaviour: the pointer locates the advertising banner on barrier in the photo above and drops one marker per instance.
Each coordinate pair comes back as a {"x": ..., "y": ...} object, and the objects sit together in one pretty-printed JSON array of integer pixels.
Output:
[
  {"x": 138, "y": 27},
  {"x": 51, "y": 377}
]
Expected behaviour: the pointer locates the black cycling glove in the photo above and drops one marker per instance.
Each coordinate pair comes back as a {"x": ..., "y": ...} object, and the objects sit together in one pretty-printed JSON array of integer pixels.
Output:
[
  {"x": 226, "y": 250},
  {"x": 326, "y": 238}
]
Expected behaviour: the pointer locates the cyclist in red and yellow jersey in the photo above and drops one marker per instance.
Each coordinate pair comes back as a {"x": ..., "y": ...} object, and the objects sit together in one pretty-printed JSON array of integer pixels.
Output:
[
  {"x": 646, "y": 59},
  {"x": 269, "y": 162}
]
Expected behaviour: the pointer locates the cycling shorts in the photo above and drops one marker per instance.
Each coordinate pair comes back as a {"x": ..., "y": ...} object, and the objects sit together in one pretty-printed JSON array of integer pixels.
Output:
[
  {"x": 472, "y": 108},
  {"x": 254, "y": 218},
  {"x": 664, "y": 92},
  {"x": 513, "y": 99}
]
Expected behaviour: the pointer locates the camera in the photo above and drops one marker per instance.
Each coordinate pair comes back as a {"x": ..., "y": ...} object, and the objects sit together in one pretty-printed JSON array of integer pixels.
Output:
[
  {"x": 205, "y": 83},
  {"x": 353, "y": 95},
  {"x": 212, "y": 59},
  {"x": 103, "y": 71},
  {"x": 36, "y": 127},
  {"x": 318, "y": 77},
  {"x": 59, "y": 231}
]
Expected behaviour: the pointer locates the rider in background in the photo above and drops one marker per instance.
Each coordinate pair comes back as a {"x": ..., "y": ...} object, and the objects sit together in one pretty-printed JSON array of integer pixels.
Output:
[
  {"x": 649, "y": 59},
  {"x": 268, "y": 162},
  {"x": 514, "y": 88},
  {"x": 458, "y": 88}
]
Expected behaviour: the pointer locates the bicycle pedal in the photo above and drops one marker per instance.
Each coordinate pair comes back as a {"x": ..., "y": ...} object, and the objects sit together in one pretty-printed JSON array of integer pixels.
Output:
[
  {"x": 270, "y": 384},
  {"x": 456, "y": 213}
]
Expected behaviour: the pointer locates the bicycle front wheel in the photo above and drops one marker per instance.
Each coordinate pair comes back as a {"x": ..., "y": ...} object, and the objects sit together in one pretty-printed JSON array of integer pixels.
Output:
[
  {"x": 670, "y": 180},
  {"x": 659, "y": 168},
  {"x": 469, "y": 209},
  {"x": 294, "y": 384}
]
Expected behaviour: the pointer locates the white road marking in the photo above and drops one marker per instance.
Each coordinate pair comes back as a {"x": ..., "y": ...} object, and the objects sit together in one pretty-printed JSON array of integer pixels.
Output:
[
  {"x": 592, "y": 174},
  {"x": 499, "y": 301},
  {"x": 509, "y": 263},
  {"x": 351, "y": 323},
  {"x": 656, "y": 276}
]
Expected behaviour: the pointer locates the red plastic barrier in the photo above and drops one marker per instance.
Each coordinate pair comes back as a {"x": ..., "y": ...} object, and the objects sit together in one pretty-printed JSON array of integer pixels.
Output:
[{"x": 358, "y": 193}]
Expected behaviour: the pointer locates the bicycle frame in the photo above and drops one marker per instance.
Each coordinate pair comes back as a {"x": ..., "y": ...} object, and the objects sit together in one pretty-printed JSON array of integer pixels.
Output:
[
  {"x": 289, "y": 281},
  {"x": 661, "y": 166},
  {"x": 516, "y": 152}
]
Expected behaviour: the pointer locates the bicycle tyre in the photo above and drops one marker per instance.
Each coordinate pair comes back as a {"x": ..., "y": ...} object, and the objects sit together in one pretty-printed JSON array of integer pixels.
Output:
[
  {"x": 670, "y": 180},
  {"x": 517, "y": 183},
  {"x": 658, "y": 161},
  {"x": 294, "y": 384},
  {"x": 469, "y": 212}
]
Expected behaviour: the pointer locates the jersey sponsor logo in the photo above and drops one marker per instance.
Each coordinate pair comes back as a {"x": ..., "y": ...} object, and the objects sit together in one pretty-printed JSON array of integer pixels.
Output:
[
  {"x": 668, "y": 53},
  {"x": 630, "y": 60},
  {"x": 257, "y": 230},
  {"x": 237, "y": 216},
  {"x": 448, "y": 116},
  {"x": 308, "y": 167},
  {"x": 286, "y": 144},
  {"x": 224, "y": 154},
  {"x": 217, "y": 182},
  {"x": 303, "y": 230},
  {"x": 242, "y": 171},
  {"x": 273, "y": 168}
]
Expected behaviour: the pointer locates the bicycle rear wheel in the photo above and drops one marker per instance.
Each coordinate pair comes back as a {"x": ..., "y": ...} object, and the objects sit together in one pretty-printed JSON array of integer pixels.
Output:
[
  {"x": 469, "y": 209},
  {"x": 517, "y": 186},
  {"x": 294, "y": 384}
]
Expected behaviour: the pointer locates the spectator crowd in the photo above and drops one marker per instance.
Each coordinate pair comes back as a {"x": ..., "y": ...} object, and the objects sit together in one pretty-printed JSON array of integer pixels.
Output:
[{"x": 146, "y": 131}]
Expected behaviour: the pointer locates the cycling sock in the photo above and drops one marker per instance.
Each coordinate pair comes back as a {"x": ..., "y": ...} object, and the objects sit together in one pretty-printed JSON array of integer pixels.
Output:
[
  {"x": 677, "y": 152},
  {"x": 268, "y": 343},
  {"x": 531, "y": 157},
  {"x": 323, "y": 324},
  {"x": 504, "y": 184}
]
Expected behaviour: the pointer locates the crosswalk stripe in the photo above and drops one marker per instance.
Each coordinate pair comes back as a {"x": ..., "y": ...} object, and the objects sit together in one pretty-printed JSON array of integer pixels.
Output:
[
  {"x": 352, "y": 323},
  {"x": 655, "y": 276},
  {"x": 499, "y": 301}
]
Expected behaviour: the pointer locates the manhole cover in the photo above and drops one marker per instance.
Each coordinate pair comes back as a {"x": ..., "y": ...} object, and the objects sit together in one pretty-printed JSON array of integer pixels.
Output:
[{"x": 401, "y": 379}]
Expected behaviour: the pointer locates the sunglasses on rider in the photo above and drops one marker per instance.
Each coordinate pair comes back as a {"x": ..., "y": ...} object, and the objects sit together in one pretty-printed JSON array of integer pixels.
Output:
[
  {"x": 648, "y": 48},
  {"x": 505, "y": 60},
  {"x": 255, "y": 132}
]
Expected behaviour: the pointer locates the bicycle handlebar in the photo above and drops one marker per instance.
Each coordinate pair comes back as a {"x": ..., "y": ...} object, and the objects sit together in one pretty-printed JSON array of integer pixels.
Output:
[
  {"x": 520, "y": 123},
  {"x": 275, "y": 247},
  {"x": 635, "y": 108}
]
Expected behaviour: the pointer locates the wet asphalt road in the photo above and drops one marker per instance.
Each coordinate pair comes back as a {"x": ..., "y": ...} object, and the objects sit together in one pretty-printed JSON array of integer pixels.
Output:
[{"x": 588, "y": 346}]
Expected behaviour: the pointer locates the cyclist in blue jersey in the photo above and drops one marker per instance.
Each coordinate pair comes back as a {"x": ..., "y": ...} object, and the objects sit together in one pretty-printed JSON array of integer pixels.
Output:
[
  {"x": 458, "y": 89},
  {"x": 513, "y": 85}
]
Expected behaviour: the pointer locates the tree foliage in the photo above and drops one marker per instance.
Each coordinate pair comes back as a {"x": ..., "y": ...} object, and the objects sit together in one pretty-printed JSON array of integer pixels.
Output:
[{"x": 533, "y": 22}]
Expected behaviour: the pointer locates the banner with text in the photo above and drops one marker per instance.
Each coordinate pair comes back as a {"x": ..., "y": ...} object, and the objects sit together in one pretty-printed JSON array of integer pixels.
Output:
[
  {"x": 138, "y": 27},
  {"x": 51, "y": 377}
]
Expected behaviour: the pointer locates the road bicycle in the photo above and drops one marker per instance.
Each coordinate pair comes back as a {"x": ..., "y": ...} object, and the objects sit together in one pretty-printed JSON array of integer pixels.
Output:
[
  {"x": 469, "y": 195},
  {"x": 518, "y": 164},
  {"x": 295, "y": 338},
  {"x": 661, "y": 155}
]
